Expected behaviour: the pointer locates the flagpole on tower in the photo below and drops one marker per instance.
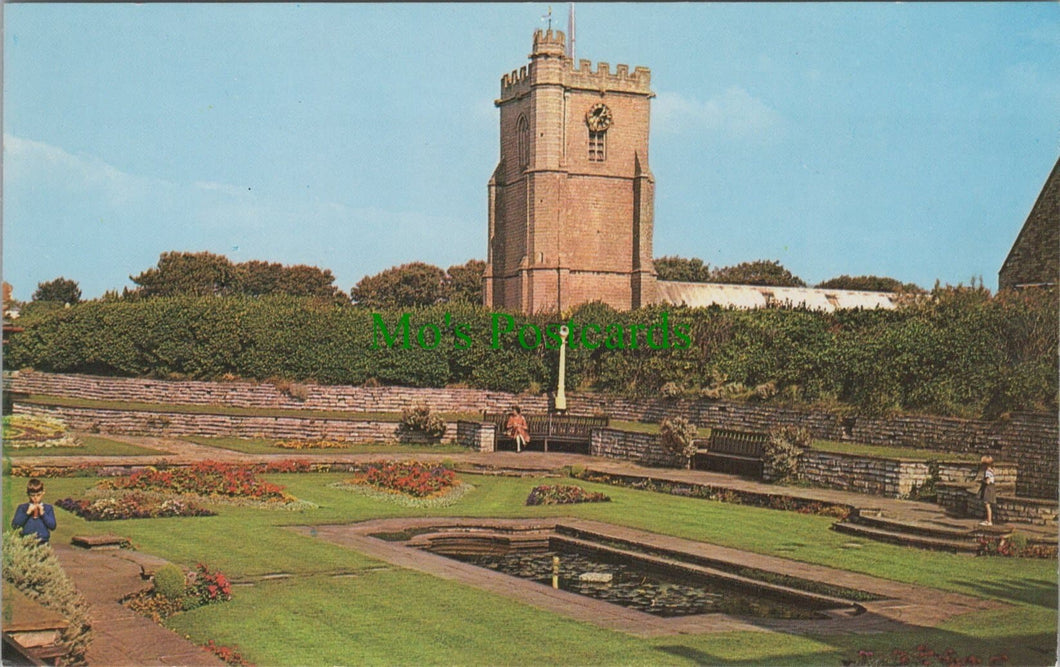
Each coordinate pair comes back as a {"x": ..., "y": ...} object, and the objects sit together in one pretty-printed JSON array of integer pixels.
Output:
[{"x": 570, "y": 32}]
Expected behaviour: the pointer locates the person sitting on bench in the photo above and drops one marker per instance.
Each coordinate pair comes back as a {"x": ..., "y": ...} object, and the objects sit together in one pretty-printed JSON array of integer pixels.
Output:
[{"x": 517, "y": 428}]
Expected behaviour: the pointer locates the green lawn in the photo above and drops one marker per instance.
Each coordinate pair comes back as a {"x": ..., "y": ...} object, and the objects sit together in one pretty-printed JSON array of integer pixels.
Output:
[
  {"x": 268, "y": 446},
  {"x": 345, "y": 608},
  {"x": 93, "y": 445},
  {"x": 132, "y": 406},
  {"x": 641, "y": 427},
  {"x": 859, "y": 449}
]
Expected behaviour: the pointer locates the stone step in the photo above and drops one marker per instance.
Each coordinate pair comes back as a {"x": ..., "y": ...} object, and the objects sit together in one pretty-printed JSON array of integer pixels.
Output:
[
  {"x": 105, "y": 541},
  {"x": 938, "y": 531},
  {"x": 968, "y": 545}
]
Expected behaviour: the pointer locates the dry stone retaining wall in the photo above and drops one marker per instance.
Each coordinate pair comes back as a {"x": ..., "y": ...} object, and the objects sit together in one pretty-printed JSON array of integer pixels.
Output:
[
  {"x": 266, "y": 395},
  {"x": 643, "y": 448},
  {"x": 892, "y": 478},
  {"x": 179, "y": 424},
  {"x": 963, "y": 501},
  {"x": 1029, "y": 440}
]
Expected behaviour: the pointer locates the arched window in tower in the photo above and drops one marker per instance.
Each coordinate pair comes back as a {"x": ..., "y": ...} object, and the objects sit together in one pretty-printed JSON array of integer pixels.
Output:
[
  {"x": 597, "y": 146},
  {"x": 523, "y": 134}
]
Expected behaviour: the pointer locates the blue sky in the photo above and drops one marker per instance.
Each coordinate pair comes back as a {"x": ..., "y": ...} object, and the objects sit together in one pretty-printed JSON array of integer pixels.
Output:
[{"x": 905, "y": 140}]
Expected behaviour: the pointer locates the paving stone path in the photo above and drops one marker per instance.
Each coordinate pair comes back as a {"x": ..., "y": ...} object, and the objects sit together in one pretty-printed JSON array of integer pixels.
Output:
[
  {"x": 121, "y": 637},
  {"x": 125, "y": 638}
]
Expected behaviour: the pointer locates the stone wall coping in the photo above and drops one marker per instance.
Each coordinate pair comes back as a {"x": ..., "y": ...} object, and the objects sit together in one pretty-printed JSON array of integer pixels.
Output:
[
  {"x": 615, "y": 429},
  {"x": 874, "y": 457}
]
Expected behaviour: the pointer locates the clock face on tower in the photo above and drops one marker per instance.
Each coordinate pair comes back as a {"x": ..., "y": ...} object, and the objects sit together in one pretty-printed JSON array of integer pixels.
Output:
[{"x": 598, "y": 117}]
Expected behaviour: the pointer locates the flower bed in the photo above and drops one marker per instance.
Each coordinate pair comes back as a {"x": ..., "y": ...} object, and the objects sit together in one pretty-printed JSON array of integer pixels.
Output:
[
  {"x": 80, "y": 470},
  {"x": 1016, "y": 545},
  {"x": 412, "y": 478},
  {"x": 34, "y": 431},
  {"x": 408, "y": 483},
  {"x": 206, "y": 586},
  {"x": 564, "y": 494},
  {"x": 150, "y": 493},
  {"x": 313, "y": 444},
  {"x": 201, "y": 587},
  {"x": 922, "y": 655},
  {"x": 93, "y": 470},
  {"x": 207, "y": 478},
  {"x": 117, "y": 505},
  {"x": 227, "y": 654}
]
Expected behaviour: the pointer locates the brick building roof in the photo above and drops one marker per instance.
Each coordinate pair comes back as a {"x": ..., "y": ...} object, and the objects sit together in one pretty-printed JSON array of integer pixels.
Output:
[{"x": 1034, "y": 259}]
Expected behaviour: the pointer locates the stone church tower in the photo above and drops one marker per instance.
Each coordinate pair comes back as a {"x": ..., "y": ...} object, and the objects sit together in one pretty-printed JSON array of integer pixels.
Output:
[{"x": 571, "y": 201}]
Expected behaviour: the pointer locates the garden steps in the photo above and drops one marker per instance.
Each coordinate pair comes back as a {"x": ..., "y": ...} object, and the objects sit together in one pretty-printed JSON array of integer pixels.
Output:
[
  {"x": 936, "y": 533},
  {"x": 906, "y": 538},
  {"x": 934, "y": 529}
]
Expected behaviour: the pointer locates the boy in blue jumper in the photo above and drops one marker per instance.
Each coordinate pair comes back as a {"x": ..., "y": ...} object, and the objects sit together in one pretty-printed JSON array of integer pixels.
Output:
[{"x": 35, "y": 517}]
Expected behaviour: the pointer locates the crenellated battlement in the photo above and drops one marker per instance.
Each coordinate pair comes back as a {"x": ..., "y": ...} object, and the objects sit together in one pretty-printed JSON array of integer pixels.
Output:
[
  {"x": 639, "y": 81},
  {"x": 550, "y": 55},
  {"x": 516, "y": 77},
  {"x": 550, "y": 41}
]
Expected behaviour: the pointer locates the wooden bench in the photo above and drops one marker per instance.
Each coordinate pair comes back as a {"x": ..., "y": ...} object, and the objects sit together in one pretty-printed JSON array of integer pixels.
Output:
[
  {"x": 563, "y": 432},
  {"x": 734, "y": 452}
]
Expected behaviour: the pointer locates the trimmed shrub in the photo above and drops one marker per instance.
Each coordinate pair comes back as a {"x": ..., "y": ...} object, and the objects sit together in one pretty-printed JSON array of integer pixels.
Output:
[
  {"x": 677, "y": 436},
  {"x": 420, "y": 419},
  {"x": 170, "y": 582},
  {"x": 33, "y": 569}
]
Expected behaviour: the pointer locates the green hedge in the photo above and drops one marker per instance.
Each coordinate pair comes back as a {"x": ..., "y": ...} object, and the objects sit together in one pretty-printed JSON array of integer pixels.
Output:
[{"x": 963, "y": 352}]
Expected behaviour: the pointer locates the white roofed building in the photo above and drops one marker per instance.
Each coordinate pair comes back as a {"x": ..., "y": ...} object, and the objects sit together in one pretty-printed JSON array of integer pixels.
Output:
[{"x": 701, "y": 295}]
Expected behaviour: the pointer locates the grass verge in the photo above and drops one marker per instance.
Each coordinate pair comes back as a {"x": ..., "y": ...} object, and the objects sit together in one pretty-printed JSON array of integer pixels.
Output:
[
  {"x": 268, "y": 446},
  {"x": 94, "y": 445},
  {"x": 227, "y": 410},
  {"x": 859, "y": 449}
]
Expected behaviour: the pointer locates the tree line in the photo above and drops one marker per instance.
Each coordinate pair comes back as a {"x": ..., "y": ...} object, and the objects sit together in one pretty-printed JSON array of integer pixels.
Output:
[
  {"x": 405, "y": 286},
  {"x": 209, "y": 274},
  {"x": 768, "y": 272}
]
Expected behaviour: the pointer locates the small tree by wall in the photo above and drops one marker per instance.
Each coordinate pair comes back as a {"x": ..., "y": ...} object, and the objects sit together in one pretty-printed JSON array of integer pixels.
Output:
[
  {"x": 781, "y": 456},
  {"x": 420, "y": 419},
  {"x": 677, "y": 435}
]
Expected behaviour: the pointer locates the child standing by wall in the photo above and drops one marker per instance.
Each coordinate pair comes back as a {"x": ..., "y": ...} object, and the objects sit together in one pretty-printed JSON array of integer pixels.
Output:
[{"x": 988, "y": 489}]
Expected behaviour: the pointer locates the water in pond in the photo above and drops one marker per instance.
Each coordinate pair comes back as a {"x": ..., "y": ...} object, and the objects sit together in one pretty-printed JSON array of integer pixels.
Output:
[{"x": 638, "y": 587}]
